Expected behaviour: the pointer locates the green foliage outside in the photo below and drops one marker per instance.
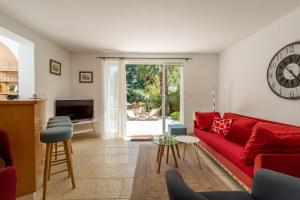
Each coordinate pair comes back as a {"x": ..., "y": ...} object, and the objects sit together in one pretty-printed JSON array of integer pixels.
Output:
[
  {"x": 175, "y": 116},
  {"x": 144, "y": 84}
]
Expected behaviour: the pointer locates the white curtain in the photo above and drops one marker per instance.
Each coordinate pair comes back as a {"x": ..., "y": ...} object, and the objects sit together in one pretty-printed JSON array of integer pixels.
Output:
[{"x": 114, "y": 125}]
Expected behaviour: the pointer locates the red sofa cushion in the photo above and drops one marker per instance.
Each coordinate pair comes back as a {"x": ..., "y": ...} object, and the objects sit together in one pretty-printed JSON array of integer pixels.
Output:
[
  {"x": 205, "y": 119},
  {"x": 271, "y": 138},
  {"x": 221, "y": 126},
  {"x": 240, "y": 131},
  {"x": 228, "y": 149}
]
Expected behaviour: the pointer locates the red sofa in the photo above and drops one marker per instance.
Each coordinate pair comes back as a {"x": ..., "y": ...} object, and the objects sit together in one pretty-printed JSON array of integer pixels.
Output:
[
  {"x": 227, "y": 151},
  {"x": 8, "y": 175}
]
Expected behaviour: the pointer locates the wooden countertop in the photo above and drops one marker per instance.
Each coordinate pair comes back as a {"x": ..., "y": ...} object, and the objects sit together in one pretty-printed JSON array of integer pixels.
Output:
[{"x": 21, "y": 101}]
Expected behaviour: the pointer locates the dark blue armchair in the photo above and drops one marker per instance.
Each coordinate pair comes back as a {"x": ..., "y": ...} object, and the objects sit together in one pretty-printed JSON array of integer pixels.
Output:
[{"x": 267, "y": 185}]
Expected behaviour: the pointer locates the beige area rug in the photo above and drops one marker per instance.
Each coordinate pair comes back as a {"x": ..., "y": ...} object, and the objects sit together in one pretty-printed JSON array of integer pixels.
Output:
[{"x": 148, "y": 184}]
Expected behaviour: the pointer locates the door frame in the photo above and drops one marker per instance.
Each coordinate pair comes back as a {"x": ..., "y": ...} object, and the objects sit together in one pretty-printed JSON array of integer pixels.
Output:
[{"x": 163, "y": 64}]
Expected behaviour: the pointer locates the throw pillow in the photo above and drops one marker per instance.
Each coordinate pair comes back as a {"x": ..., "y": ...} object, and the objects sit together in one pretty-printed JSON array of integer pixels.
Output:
[
  {"x": 240, "y": 131},
  {"x": 205, "y": 119},
  {"x": 271, "y": 138},
  {"x": 221, "y": 126},
  {"x": 2, "y": 163}
]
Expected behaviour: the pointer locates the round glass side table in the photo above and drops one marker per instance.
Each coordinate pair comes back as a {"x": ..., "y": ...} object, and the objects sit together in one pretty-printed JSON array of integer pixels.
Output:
[
  {"x": 189, "y": 140},
  {"x": 168, "y": 142}
]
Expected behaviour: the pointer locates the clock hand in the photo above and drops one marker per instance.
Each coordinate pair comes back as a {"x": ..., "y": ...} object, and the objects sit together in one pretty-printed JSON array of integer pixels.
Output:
[{"x": 291, "y": 71}]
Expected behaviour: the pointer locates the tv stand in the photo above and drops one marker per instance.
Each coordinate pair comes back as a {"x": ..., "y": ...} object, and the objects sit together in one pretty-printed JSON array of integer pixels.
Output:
[{"x": 84, "y": 126}]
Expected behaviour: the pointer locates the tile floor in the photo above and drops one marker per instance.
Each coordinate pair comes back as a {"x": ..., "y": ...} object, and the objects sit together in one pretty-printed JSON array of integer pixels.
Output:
[{"x": 105, "y": 170}]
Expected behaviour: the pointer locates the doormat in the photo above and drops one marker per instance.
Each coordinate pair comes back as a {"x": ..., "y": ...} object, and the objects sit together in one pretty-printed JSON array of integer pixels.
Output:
[{"x": 139, "y": 138}]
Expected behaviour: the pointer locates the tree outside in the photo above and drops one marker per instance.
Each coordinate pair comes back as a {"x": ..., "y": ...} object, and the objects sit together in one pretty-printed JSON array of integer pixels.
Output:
[{"x": 144, "y": 85}]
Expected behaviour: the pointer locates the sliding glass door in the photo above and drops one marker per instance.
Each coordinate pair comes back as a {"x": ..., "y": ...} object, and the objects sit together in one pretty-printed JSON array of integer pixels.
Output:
[
  {"x": 172, "y": 95},
  {"x": 153, "y": 98}
]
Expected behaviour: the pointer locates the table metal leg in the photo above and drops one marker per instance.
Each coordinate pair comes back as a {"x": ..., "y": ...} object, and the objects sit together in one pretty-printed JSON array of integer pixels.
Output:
[
  {"x": 174, "y": 155},
  {"x": 184, "y": 151},
  {"x": 198, "y": 158},
  {"x": 160, "y": 157},
  {"x": 177, "y": 150},
  {"x": 93, "y": 126},
  {"x": 158, "y": 151}
]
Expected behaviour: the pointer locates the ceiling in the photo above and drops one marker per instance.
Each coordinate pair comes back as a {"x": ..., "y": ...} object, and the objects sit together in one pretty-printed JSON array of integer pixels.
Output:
[{"x": 146, "y": 26}]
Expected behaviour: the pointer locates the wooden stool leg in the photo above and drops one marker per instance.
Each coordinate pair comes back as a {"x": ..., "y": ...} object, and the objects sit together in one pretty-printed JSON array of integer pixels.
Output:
[
  {"x": 160, "y": 157},
  {"x": 46, "y": 170},
  {"x": 158, "y": 151},
  {"x": 55, "y": 151},
  {"x": 184, "y": 151},
  {"x": 174, "y": 155},
  {"x": 69, "y": 175},
  {"x": 177, "y": 150},
  {"x": 69, "y": 161},
  {"x": 71, "y": 148},
  {"x": 168, "y": 148},
  {"x": 50, "y": 159}
]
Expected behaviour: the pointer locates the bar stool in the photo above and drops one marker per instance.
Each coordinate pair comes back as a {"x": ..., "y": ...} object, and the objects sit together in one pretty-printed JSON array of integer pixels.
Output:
[
  {"x": 60, "y": 124},
  {"x": 59, "y": 121},
  {"x": 51, "y": 136}
]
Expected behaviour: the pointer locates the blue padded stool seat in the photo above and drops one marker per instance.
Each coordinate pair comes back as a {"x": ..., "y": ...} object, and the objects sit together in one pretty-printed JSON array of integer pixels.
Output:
[
  {"x": 56, "y": 134},
  {"x": 59, "y": 117},
  {"x": 177, "y": 129},
  {"x": 50, "y": 121},
  {"x": 60, "y": 124}
]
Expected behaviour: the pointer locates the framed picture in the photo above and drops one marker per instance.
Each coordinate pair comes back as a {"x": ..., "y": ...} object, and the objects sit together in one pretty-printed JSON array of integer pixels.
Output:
[
  {"x": 55, "y": 67},
  {"x": 85, "y": 77}
]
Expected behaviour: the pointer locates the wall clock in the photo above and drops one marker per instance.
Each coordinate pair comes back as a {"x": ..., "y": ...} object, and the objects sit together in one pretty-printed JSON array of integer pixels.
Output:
[{"x": 284, "y": 72}]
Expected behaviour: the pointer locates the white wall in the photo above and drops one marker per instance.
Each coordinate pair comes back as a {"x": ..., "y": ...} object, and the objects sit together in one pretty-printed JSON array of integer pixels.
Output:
[
  {"x": 243, "y": 70},
  {"x": 52, "y": 86},
  {"x": 200, "y": 76},
  {"x": 87, "y": 62}
]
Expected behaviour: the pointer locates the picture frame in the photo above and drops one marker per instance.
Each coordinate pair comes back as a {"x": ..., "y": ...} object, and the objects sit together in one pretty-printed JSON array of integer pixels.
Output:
[
  {"x": 85, "y": 77},
  {"x": 55, "y": 67}
]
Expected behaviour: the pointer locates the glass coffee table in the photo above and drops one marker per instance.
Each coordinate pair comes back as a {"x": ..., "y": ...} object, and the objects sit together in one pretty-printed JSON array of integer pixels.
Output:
[{"x": 168, "y": 142}]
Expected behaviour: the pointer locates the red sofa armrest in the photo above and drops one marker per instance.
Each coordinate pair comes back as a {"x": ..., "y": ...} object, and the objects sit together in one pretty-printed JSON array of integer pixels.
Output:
[
  {"x": 8, "y": 181},
  {"x": 195, "y": 124},
  {"x": 284, "y": 163}
]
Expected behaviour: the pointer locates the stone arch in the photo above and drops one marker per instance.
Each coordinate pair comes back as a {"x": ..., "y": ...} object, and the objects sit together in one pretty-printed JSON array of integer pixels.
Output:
[
  {"x": 8, "y": 72},
  {"x": 7, "y": 58}
]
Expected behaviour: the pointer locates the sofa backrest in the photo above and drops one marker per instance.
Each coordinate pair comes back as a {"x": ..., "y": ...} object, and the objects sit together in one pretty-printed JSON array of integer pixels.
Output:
[{"x": 258, "y": 119}]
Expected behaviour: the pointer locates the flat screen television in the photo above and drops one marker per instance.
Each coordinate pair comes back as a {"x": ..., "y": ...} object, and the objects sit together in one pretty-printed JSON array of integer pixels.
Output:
[{"x": 75, "y": 109}]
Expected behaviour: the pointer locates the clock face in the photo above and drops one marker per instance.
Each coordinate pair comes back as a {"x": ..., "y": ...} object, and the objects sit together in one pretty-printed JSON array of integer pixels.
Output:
[{"x": 284, "y": 72}]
